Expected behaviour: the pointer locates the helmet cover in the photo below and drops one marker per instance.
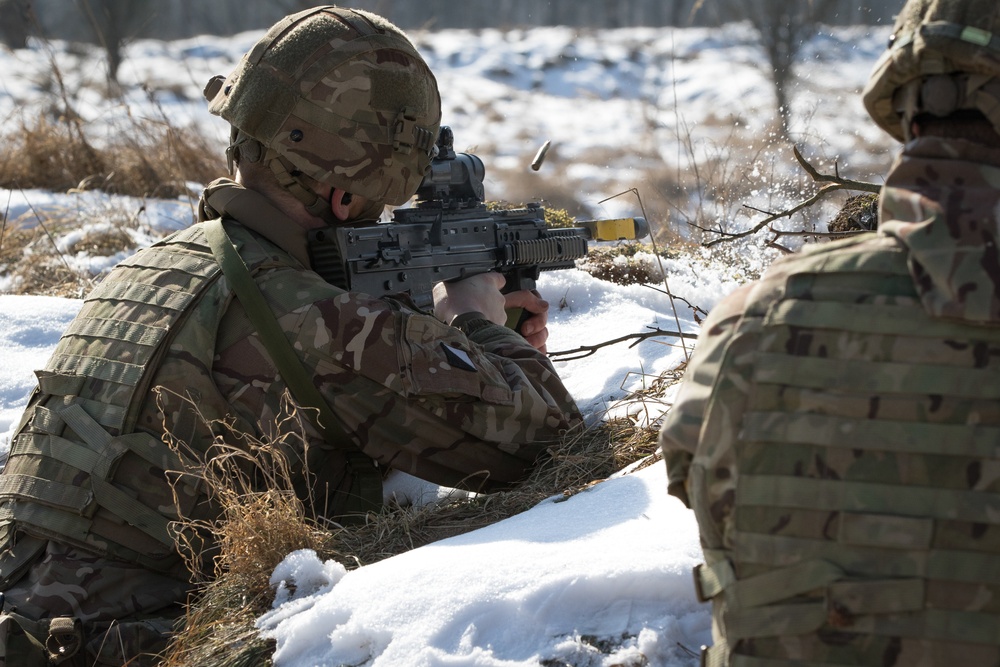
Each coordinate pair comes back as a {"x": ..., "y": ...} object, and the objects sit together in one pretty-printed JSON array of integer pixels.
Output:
[
  {"x": 933, "y": 40},
  {"x": 340, "y": 96}
]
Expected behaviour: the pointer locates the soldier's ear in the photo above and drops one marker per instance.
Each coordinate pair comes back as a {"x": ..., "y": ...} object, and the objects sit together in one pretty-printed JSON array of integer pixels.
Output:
[{"x": 340, "y": 203}]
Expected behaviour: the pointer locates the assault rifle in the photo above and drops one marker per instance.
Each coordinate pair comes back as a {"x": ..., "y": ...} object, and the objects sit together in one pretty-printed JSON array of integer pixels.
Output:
[{"x": 451, "y": 234}]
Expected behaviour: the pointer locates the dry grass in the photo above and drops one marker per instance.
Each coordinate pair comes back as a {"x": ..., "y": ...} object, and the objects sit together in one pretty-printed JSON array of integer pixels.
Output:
[
  {"x": 261, "y": 521},
  {"x": 37, "y": 250},
  {"x": 52, "y": 151},
  {"x": 575, "y": 464},
  {"x": 147, "y": 158},
  {"x": 51, "y": 147},
  {"x": 29, "y": 256}
]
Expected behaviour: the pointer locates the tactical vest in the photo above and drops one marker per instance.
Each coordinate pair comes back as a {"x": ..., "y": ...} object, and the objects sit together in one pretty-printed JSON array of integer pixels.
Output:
[
  {"x": 72, "y": 471},
  {"x": 88, "y": 465},
  {"x": 866, "y": 510}
]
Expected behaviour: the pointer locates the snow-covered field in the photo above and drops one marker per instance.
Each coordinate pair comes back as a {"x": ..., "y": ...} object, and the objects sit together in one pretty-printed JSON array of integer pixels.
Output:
[{"x": 610, "y": 567}]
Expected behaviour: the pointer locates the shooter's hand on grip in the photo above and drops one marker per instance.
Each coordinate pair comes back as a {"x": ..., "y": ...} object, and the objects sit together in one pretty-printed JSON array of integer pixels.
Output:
[{"x": 532, "y": 313}]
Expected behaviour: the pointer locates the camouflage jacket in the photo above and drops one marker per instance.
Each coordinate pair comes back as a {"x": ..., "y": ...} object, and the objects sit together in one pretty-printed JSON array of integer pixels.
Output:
[
  {"x": 827, "y": 412},
  {"x": 162, "y": 350},
  {"x": 387, "y": 372}
]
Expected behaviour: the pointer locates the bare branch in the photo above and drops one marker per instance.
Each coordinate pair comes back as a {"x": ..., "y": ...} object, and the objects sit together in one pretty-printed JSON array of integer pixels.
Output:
[
  {"x": 778, "y": 233},
  {"x": 822, "y": 192},
  {"x": 773, "y": 243},
  {"x": 588, "y": 350},
  {"x": 845, "y": 183},
  {"x": 694, "y": 309},
  {"x": 833, "y": 183}
]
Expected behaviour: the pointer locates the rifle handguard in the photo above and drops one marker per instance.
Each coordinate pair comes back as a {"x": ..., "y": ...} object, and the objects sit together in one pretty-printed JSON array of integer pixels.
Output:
[{"x": 552, "y": 250}]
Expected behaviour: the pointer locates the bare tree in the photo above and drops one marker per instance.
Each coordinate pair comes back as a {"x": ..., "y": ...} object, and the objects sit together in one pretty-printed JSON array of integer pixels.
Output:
[
  {"x": 114, "y": 23},
  {"x": 16, "y": 21},
  {"x": 783, "y": 28},
  {"x": 184, "y": 18}
]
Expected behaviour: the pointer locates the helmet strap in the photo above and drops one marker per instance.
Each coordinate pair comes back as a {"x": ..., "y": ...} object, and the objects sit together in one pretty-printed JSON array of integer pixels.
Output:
[
  {"x": 906, "y": 101},
  {"x": 293, "y": 182},
  {"x": 242, "y": 147}
]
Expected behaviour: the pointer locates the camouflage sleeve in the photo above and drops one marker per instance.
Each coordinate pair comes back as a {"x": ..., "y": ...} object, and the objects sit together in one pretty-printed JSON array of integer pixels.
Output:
[
  {"x": 683, "y": 427},
  {"x": 474, "y": 410}
]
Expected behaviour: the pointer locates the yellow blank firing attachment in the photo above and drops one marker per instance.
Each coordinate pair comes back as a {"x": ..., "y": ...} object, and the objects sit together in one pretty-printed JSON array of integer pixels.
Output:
[{"x": 616, "y": 230}]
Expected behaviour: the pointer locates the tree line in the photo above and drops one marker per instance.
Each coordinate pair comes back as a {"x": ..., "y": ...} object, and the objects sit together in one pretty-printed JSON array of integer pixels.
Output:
[
  {"x": 782, "y": 26},
  {"x": 104, "y": 21}
]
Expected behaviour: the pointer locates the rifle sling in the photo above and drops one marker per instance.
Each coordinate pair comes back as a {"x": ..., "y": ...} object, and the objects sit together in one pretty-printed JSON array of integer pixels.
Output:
[{"x": 366, "y": 485}]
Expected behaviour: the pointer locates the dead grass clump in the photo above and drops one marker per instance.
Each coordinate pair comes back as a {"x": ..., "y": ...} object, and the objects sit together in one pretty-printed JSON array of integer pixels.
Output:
[
  {"x": 50, "y": 278},
  {"x": 146, "y": 158},
  {"x": 624, "y": 264},
  {"x": 102, "y": 243},
  {"x": 559, "y": 218},
  {"x": 577, "y": 463},
  {"x": 34, "y": 265},
  {"x": 256, "y": 533},
  {"x": 38, "y": 250},
  {"x": 47, "y": 155},
  {"x": 859, "y": 214}
]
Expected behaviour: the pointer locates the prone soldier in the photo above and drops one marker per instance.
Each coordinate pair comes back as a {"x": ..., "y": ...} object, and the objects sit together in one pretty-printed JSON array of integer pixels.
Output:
[{"x": 334, "y": 114}]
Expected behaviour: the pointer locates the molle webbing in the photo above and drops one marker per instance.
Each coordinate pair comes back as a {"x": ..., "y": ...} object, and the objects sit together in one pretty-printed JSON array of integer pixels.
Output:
[
  {"x": 105, "y": 318},
  {"x": 868, "y": 498},
  {"x": 96, "y": 456},
  {"x": 61, "y": 474}
]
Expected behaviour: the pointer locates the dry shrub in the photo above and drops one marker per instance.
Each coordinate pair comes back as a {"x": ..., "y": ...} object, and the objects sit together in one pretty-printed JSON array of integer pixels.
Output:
[
  {"x": 625, "y": 263},
  {"x": 146, "y": 158},
  {"x": 859, "y": 214}
]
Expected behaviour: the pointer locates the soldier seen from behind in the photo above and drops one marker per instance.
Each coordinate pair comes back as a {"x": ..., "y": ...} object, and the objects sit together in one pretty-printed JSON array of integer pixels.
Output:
[
  {"x": 334, "y": 115},
  {"x": 838, "y": 429}
]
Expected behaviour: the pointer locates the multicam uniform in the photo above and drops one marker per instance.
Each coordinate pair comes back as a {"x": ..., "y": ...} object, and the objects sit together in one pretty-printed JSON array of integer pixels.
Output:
[
  {"x": 837, "y": 436},
  {"x": 473, "y": 407}
]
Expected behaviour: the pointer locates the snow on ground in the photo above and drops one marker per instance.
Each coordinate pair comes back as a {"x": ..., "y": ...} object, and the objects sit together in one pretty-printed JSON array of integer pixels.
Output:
[{"x": 548, "y": 584}]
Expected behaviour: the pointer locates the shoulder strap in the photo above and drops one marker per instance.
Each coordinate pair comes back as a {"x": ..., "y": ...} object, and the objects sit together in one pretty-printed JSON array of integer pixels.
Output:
[{"x": 366, "y": 486}]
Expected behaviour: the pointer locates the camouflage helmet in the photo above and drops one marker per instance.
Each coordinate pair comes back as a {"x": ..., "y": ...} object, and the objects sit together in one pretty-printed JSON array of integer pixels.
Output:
[
  {"x": 943, "y": 55},
  {"x": 339, "y": 96}
]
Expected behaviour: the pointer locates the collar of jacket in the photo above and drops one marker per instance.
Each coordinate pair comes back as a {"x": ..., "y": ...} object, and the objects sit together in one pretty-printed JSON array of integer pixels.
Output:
[
  {"x": 226, "y": 198},
  {"x": 941, "y": 201}
]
